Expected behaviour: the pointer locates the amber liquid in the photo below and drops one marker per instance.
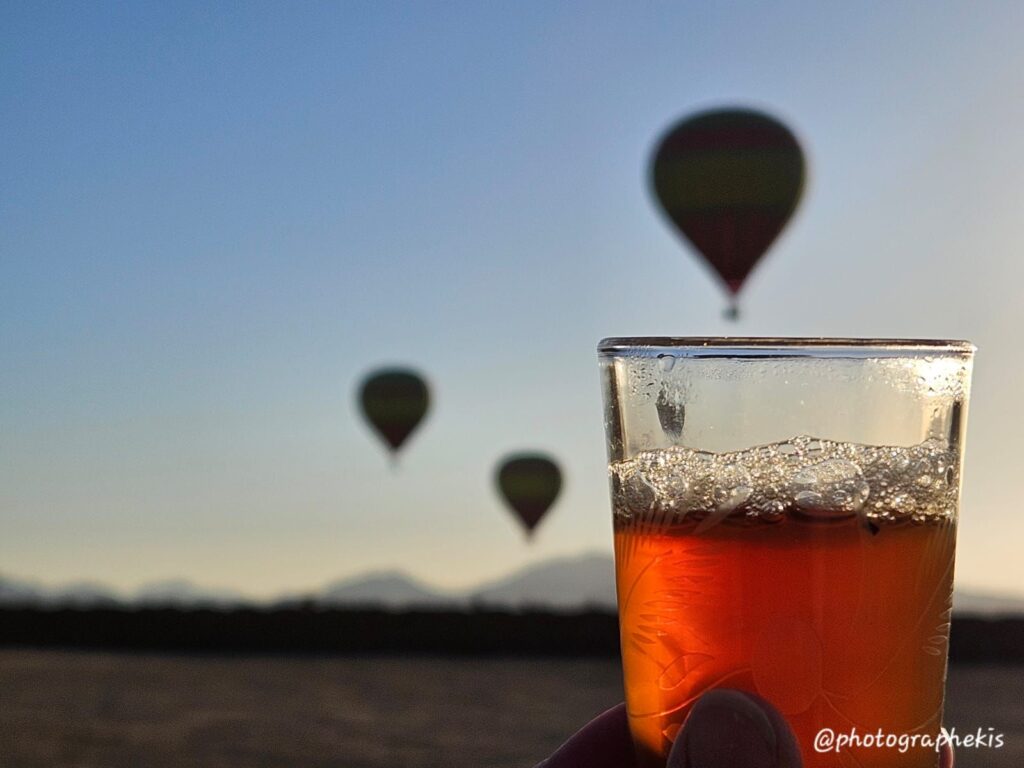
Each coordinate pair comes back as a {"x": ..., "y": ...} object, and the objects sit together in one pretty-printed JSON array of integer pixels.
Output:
[{"x": 839, "y": 624}]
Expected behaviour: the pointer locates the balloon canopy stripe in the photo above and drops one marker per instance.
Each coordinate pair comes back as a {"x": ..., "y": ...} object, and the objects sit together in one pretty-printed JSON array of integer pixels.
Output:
[
  {"x": 394, "y": 401},
  {"x": 756, "y": 178}
]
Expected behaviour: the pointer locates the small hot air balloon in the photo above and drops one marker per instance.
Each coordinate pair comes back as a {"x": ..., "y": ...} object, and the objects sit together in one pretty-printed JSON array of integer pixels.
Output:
[
  {"x": 729, "y": 180},
  {"x": 529, "y": 483},
  {"x": 394, "y": 401}
]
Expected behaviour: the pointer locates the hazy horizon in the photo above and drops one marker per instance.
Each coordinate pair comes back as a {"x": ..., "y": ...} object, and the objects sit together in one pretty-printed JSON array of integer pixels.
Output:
[
  {"x": 215, "y": 220},
  {"x": 545, "y": 577}
]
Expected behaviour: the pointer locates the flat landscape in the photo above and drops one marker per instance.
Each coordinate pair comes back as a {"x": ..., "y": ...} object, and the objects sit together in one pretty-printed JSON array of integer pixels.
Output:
[{"x": 62, "y": 709}]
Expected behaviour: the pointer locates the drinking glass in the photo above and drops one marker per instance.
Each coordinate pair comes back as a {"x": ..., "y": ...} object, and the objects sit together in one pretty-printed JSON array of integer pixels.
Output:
[{"x": 785, "y": 517}]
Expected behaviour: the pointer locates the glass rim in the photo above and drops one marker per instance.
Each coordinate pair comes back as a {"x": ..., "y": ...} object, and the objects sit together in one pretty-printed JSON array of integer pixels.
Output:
[{"x": 780, "y": 346}]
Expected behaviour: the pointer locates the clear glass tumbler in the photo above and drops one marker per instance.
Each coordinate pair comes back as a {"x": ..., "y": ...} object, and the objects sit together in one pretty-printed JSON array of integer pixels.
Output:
[{"x": 785, "y": 519}]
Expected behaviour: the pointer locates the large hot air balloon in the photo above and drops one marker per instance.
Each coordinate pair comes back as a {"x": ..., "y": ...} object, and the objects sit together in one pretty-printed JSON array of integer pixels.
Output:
[
  {"x": 394, "y": 401},
  {"x": 729, "y": 180},
  {"x": 529, "y": 483}
]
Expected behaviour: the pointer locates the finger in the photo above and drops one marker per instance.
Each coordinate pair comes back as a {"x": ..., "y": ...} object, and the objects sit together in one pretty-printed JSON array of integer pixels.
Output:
[
  {"x": 604, "y": 742},
  {"x": 733, "y": 729},
  {"x": 946, "y": 756}
]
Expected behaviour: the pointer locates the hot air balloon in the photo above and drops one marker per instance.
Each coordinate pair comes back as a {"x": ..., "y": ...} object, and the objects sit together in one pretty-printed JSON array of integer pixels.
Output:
[
  {"x": 729, "y": 180},
  {"x": 394, "y": 402},
  {"x": 529, "y": 483}
]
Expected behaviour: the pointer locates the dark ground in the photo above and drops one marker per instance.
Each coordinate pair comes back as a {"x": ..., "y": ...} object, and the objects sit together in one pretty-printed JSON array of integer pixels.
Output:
[
  {"x": 61, "y": 709},
  {"x": 475, "y": 632}
]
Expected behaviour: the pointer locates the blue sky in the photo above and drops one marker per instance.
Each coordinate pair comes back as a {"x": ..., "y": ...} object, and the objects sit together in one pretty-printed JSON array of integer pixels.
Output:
[{"x": 214, "y": 220}]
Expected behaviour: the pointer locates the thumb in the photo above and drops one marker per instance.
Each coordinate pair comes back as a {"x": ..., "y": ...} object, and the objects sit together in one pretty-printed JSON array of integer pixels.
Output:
[{"x": 732, "y": 729}]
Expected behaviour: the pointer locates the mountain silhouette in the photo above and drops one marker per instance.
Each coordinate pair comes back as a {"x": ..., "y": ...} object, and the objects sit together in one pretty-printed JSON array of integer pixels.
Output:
[
  {"x": 83, "y": 594},
  {"x": 391, "y": 589},
  {"x": 563, "y": 583},
  {"x": 20, "y": 590},
  {"x": 972, "y": 603},
  {"x": 182, "y": 593}
]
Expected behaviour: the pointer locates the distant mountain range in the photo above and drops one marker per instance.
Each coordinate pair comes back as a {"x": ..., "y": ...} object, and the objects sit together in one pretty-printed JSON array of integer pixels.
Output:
[
  {"x": 391, "y": 589},
  {"x": 565, "y": 583},
  {"x": 562, "y": 583}
]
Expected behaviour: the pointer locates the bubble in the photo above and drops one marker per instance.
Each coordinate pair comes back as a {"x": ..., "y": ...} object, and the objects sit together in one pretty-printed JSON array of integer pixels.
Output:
[
  {"x": 809, "y": 477},
  {"x": 731, "y": 486},
  {"x": 902, "y": 501},
  {"x": 636, "y": 494},
  {"x": 808, "y": 499},
  {"x": 668, "y": 479},
  {"x": 788, "y": 450},
  {"x": 837, "y": 485},
  {"x": 734, "y": 498},
  {"x": 840, "y": 498},
  {"x": 771, "y": 511},
  {"x": 814, "y": 449}
]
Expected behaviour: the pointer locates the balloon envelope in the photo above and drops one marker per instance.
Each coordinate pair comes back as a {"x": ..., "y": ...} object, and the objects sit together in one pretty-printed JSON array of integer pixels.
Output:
[
  {"x": 529, "y": 483},
  {"x": 729, "y": 180},
  {"x": 394, "y": 402}
]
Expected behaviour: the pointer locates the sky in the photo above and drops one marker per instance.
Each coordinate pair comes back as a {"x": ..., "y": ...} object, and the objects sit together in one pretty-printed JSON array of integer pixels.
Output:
[{"x": 216, "y": 218}]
